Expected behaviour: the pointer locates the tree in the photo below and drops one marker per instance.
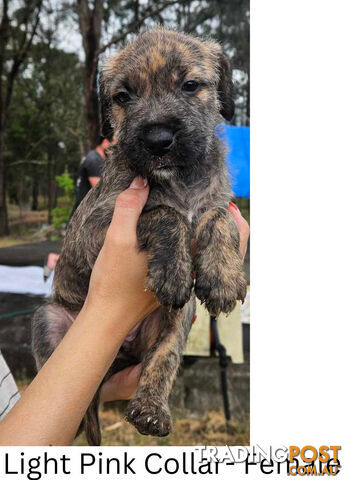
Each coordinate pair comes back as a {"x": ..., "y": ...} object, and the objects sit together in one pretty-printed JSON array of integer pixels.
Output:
[
  {"x": 45, "y": 129},
  {"x": 90, "y": 24},
  {"x": 16, "y": 37}
]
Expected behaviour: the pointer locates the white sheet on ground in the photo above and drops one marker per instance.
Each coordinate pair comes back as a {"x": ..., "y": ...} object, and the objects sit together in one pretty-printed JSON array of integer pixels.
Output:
[{"x": 25, "y": 280}]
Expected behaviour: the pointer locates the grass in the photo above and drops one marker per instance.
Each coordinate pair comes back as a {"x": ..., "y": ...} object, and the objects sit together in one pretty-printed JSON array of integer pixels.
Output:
[{"x": 208, "y": 429}]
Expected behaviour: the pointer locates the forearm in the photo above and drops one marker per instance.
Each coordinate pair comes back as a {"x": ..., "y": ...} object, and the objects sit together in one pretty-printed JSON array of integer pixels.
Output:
[{"x": 52, "y": 407}]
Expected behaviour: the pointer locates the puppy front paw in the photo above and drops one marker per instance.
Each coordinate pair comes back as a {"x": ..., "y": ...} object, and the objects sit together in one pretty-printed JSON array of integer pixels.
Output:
[
  {"x": 150, "y": 416},
  {"x": 172, "y": 283},
  {"x": 220, "y": 286}
]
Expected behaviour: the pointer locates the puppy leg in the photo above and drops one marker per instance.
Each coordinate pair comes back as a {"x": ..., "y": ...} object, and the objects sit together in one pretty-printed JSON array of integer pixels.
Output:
[
  {"x": 220, "y": 280},
  {"x": 49, "y": 325},
  {"x": 164, "y": 234},
  {"x": 148, "y": 411}
]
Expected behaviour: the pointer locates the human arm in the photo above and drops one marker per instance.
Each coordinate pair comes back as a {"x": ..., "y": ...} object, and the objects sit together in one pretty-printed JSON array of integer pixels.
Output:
[
  {"x": 54, "y": 404},
  {"x": 93, "y": 180}
]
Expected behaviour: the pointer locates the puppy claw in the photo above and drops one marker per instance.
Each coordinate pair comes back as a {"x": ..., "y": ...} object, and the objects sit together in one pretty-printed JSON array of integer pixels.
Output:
[{"x": 150, "y": 416}]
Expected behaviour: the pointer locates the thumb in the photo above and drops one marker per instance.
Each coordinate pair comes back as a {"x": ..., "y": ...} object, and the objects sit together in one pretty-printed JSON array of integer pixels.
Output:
[{"x": 128, "y": 207}]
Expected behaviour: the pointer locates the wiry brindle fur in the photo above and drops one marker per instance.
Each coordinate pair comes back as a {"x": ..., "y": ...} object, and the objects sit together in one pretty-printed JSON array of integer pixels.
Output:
[{"x": 162, "y": 96}]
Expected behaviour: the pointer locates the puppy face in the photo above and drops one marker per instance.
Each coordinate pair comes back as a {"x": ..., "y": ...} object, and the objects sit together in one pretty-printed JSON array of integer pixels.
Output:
[{"x": 162, "y": 96}]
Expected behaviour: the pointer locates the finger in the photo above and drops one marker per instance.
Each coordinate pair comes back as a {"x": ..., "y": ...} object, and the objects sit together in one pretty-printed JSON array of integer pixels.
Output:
[
  {"x": 239, "y": 219},
  {"x": 122, "y": 385},
  {"x": 128, "y": 207},
  {"x": 130, "y": 375},
  {"x": 234, "y": 210},
  {"x": 243, "y": 227}
]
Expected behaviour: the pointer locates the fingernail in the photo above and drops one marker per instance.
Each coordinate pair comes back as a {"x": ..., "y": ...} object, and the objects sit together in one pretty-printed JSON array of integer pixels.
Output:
[
  {"x": 139, "y": 183},
  {"x": 233, "y": 205}
]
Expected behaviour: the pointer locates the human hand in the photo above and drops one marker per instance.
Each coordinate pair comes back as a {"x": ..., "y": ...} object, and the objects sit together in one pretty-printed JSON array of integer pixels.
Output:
[
  {"x": 52, "y": 260},
  {"x": 118, "y": 277},
  {"x": 243, "y": 227},
  {"x": 122, "y": 385}
]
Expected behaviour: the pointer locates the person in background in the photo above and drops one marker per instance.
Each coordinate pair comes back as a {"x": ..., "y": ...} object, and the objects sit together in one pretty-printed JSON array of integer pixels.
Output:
[{"x": 90, "y": 172}]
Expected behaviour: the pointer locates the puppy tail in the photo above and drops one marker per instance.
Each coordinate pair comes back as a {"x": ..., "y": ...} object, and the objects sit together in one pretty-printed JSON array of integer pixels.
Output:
[{"x": 90, "y": 423}]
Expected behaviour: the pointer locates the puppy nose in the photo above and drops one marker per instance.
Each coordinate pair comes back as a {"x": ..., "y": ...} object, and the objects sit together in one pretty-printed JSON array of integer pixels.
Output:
[{"x": 158, "y": 138}]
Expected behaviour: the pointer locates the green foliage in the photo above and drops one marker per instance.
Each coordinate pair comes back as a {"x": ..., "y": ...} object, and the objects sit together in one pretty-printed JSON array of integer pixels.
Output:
[
  {"x": 66, "y": 183},
  {"x": 61, "y": 213},
  {"x": 60, "y": 216},
  {"x": 45, "y": 127}
]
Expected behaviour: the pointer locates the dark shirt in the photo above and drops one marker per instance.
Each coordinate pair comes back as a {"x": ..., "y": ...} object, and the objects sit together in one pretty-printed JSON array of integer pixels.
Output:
[{"x": 90, "y": 166}]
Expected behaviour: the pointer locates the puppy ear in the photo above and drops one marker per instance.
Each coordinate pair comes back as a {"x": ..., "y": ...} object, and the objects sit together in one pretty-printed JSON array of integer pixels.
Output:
[
  {"x": 225, "y": 88},
  {"x": 105, "y": 106}
]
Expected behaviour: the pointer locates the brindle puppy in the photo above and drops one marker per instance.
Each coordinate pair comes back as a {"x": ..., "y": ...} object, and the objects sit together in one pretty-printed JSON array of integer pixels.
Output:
[{"x": 162, "y": 97}]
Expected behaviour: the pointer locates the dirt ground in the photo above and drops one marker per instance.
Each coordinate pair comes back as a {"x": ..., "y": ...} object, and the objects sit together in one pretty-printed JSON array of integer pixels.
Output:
[
  {"x": 209, "y": 429},
  {"x": 20, "y": 216},
  {"x": 24, "y": 225}
]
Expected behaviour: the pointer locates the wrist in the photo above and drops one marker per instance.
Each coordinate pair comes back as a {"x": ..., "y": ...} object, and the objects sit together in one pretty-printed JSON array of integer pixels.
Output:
[
  {"x": 120, "y": 310},
  {"x": 115, "y": 319}
]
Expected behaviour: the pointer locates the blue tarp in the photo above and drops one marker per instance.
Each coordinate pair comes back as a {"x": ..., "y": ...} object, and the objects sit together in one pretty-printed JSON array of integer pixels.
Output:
[{"x": 237, "y": 140}]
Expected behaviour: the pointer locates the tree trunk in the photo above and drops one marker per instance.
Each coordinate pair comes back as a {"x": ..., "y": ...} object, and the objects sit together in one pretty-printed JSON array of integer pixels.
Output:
[
  {"x": 4, "y": 228},
  {"x": 20, "y": 196},
  {"x": 54, "y": 191},
  {"x": 35, "y": 192},
  {"x": 50, "y": 190},
  {"x": 90, "y": 23},
  {"x": 247, "y": 123}
]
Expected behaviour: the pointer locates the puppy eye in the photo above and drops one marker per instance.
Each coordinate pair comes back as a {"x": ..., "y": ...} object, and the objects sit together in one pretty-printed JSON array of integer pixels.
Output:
[
  {"x": 121, "y": 98},
  {"x": 191, "y": 86}
]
